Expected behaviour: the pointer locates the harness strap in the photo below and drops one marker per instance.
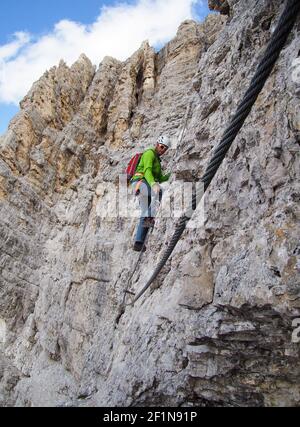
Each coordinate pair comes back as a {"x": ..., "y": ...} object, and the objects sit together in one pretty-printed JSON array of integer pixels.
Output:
[{"x": 137, "y": 188}]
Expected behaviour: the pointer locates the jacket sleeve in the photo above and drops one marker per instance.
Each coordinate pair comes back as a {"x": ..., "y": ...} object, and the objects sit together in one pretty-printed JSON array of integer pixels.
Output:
[
  {"x": 164, "y": 178},
  {"x": 148, "y": 159}
]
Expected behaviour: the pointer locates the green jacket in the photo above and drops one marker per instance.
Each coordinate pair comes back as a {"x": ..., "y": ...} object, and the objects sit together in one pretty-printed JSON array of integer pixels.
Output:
[{"x": 149, "y": 165}]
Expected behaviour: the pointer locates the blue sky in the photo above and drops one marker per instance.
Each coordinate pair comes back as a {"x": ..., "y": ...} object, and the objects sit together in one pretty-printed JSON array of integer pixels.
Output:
[
  {"x": 35, "y": 34},
  {"x": 38, "y": 16}
]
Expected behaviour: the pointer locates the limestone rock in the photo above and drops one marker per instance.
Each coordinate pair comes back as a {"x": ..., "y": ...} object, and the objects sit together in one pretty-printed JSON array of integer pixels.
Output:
[
  {"x": 215, "y": 329},
  {"x": 221, "y": 6}
]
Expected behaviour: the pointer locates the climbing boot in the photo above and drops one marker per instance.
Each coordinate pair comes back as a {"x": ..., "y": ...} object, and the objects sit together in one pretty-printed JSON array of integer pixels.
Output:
[
  {"x": 149, "y": 222},
  {"x": 137, "y": 247}
]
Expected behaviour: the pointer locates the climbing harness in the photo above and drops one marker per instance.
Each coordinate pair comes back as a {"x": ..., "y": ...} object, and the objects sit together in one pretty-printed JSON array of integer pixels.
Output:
[
  {"x": 276, "y": 44},
  {"x": 137, "y": 187},
  {"x": 140, "y": 174}
]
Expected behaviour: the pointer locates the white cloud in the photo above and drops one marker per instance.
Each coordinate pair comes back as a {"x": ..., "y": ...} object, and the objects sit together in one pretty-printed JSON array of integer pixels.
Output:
[
  {"x": 118, "y": 31},
  {"x": 11, "y": 49}
]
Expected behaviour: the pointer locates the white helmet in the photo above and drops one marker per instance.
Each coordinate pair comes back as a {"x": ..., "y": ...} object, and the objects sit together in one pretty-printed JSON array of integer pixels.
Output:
[{"x": 164, "y": 140}]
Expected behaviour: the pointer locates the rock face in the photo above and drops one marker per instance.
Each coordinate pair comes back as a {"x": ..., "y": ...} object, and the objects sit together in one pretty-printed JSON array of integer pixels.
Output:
[
  {"x": 217, "y": 326},
  {"x": 221, "y": 6}
]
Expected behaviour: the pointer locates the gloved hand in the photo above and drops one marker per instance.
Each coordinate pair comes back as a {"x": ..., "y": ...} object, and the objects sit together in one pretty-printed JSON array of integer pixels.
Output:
[{"x": 156, "y": 188}]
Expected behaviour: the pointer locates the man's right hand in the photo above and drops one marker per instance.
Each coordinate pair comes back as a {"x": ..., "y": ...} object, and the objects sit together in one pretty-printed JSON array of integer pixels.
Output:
[{"x": 156, "y": 188}]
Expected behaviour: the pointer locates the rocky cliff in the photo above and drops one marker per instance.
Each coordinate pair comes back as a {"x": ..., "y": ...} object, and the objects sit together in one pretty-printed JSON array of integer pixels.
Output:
[{"x": 216, "y": 327}]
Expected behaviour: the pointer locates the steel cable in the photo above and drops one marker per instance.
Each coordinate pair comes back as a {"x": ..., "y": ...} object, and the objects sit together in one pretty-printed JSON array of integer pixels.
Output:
[{"x": 264, "y": 69}]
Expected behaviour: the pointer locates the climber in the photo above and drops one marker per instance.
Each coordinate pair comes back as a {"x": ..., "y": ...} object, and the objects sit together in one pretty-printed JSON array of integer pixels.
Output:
[{"x": 145, "y": 183}]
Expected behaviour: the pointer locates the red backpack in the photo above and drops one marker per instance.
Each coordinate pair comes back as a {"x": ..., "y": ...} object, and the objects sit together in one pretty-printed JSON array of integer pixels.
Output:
[{"x": 132, "y": 165}]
